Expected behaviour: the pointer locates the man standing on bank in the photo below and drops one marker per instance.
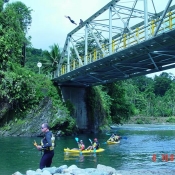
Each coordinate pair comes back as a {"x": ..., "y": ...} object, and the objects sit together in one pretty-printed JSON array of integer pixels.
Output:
[{"x": 47, "y": 146}]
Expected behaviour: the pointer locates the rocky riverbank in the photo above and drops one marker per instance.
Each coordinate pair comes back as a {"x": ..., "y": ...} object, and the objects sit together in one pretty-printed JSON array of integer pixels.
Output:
[
  {"x": 72, "y": 170},
  {"x": 100, "y": 170}
]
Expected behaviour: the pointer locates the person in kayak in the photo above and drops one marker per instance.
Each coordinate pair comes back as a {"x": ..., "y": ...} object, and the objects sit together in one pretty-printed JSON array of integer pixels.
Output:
[
  {"x": 112, "y": 138},
  {"x": 81, "y": 146},
  {"x": 47, "y": 146},
  {"x": 116, "y": 138},
  {"x": 95, "y": 145}
]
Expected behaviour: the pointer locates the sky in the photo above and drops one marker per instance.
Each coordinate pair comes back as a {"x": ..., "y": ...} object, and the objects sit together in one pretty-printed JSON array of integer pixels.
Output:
[{"x": 49, "y": 25}]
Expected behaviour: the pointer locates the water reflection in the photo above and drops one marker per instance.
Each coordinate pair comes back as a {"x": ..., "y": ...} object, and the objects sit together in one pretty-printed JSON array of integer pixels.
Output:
[{"x": 80, "y": 157}]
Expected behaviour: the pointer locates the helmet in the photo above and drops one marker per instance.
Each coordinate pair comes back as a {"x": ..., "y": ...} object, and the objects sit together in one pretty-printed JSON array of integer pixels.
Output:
[
  {"x": 95, "y": 139},
  {"x": 81, "y": 140}
]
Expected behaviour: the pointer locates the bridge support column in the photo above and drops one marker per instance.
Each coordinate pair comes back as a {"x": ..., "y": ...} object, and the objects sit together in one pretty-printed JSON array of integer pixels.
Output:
[{"x": 77, "y": 97}]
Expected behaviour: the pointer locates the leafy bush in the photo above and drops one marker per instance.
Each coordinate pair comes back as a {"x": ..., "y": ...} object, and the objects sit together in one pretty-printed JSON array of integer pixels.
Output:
[
  {"x": 66, "y": 124},
  {"x": 24, "y": 90},
  {"x": 139, "y": 121},
  {"x": 171, "y": 120}
]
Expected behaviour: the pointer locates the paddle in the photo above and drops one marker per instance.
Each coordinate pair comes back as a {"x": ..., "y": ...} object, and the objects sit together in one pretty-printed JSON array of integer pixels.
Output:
[
  {"x": 77, "y": 139},
  {"x": 90, "y": 141}
]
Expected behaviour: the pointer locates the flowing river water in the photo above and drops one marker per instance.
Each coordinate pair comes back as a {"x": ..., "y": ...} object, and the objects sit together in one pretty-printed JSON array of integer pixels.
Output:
[{"x": 142, "y": 147}]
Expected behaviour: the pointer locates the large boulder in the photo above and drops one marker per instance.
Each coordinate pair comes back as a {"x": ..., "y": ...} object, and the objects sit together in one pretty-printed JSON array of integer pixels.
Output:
[{"x": 107, "y": 169}]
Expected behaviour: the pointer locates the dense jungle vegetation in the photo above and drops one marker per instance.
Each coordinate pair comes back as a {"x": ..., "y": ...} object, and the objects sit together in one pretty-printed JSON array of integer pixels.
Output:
[{"x": 23, "y": 88}]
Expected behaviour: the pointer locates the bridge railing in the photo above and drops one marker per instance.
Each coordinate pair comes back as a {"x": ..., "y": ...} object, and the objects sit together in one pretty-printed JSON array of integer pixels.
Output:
[
  {"x": 138, "y": 35},
  {"x": 124, "y": 41}
]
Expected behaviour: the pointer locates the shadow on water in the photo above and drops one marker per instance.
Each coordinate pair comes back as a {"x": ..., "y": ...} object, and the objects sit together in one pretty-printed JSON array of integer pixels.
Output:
[{"x": 135, "y": 152}]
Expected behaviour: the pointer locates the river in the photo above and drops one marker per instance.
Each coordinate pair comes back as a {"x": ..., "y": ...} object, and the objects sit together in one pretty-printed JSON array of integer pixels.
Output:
[{"x": 140, "y": 144}]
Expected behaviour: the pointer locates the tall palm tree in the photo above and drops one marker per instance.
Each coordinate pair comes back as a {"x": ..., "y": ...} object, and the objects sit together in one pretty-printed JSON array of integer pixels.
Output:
[{"x": 52, "y": 58}]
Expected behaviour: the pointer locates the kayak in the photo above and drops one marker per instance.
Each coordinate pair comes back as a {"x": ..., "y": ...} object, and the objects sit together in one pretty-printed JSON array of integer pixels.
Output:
[
  {"x": 84, "y": 151},
  {"x": 112, "y": 142}
]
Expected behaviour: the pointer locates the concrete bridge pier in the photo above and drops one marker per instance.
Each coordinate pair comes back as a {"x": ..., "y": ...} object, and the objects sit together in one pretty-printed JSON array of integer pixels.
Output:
[{"x": 77, "y": 97}]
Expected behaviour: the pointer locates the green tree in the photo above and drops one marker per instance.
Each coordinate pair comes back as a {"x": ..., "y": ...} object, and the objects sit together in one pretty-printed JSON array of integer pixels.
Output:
[
  {"x": 12, "y": 35},
  {"x": 150, "y": 98},
  {"x": 120, "y": 109},
  {"x": 142, "y": 82},
  {"x": 98, "y": 106},
  {"x": 52, "y": 58},
  {"x": 33, "y": 56},
  {"x": 162, "y": 84},
  {"x": 21, "y": 89},
  {"x": 170, "y": 99},
  {"x": 23, "y": 14}
]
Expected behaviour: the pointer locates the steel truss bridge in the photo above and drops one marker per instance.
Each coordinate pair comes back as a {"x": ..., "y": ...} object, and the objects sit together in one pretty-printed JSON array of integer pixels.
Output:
[{"x": 119, "y": 42}]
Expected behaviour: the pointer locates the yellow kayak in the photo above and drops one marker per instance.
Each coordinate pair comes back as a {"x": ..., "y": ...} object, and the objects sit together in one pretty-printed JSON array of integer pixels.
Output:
[
  {"x": 84, "y": 151},
  {"x": 112, "y": 142}
]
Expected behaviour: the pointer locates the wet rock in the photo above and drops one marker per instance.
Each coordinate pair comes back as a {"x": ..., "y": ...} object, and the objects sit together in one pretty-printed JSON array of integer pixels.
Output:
[
  {"x": 72, "y": 170},
  {"x": 17, "y": 173},
  {"x": 107, "y": 169}
]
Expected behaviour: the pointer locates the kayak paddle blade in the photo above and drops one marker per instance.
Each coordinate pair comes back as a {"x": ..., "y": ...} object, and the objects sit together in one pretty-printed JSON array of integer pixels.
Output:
[
  {"x": 90, "y": 141},
  {"x": 76, "y": 138}
]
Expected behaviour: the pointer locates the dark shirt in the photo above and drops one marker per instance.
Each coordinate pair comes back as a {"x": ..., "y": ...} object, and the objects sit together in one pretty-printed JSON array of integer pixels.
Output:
[
  {"x": 96, "y": 145},
  {"x": 47, "y": 140}
]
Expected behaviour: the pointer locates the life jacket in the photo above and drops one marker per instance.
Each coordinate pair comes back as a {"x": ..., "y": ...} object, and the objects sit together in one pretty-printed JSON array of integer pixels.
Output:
[
  {"x": 81, "y": 146},
  {"x": 53, "y": 143},
  {"x": 96, "y": 145}
]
